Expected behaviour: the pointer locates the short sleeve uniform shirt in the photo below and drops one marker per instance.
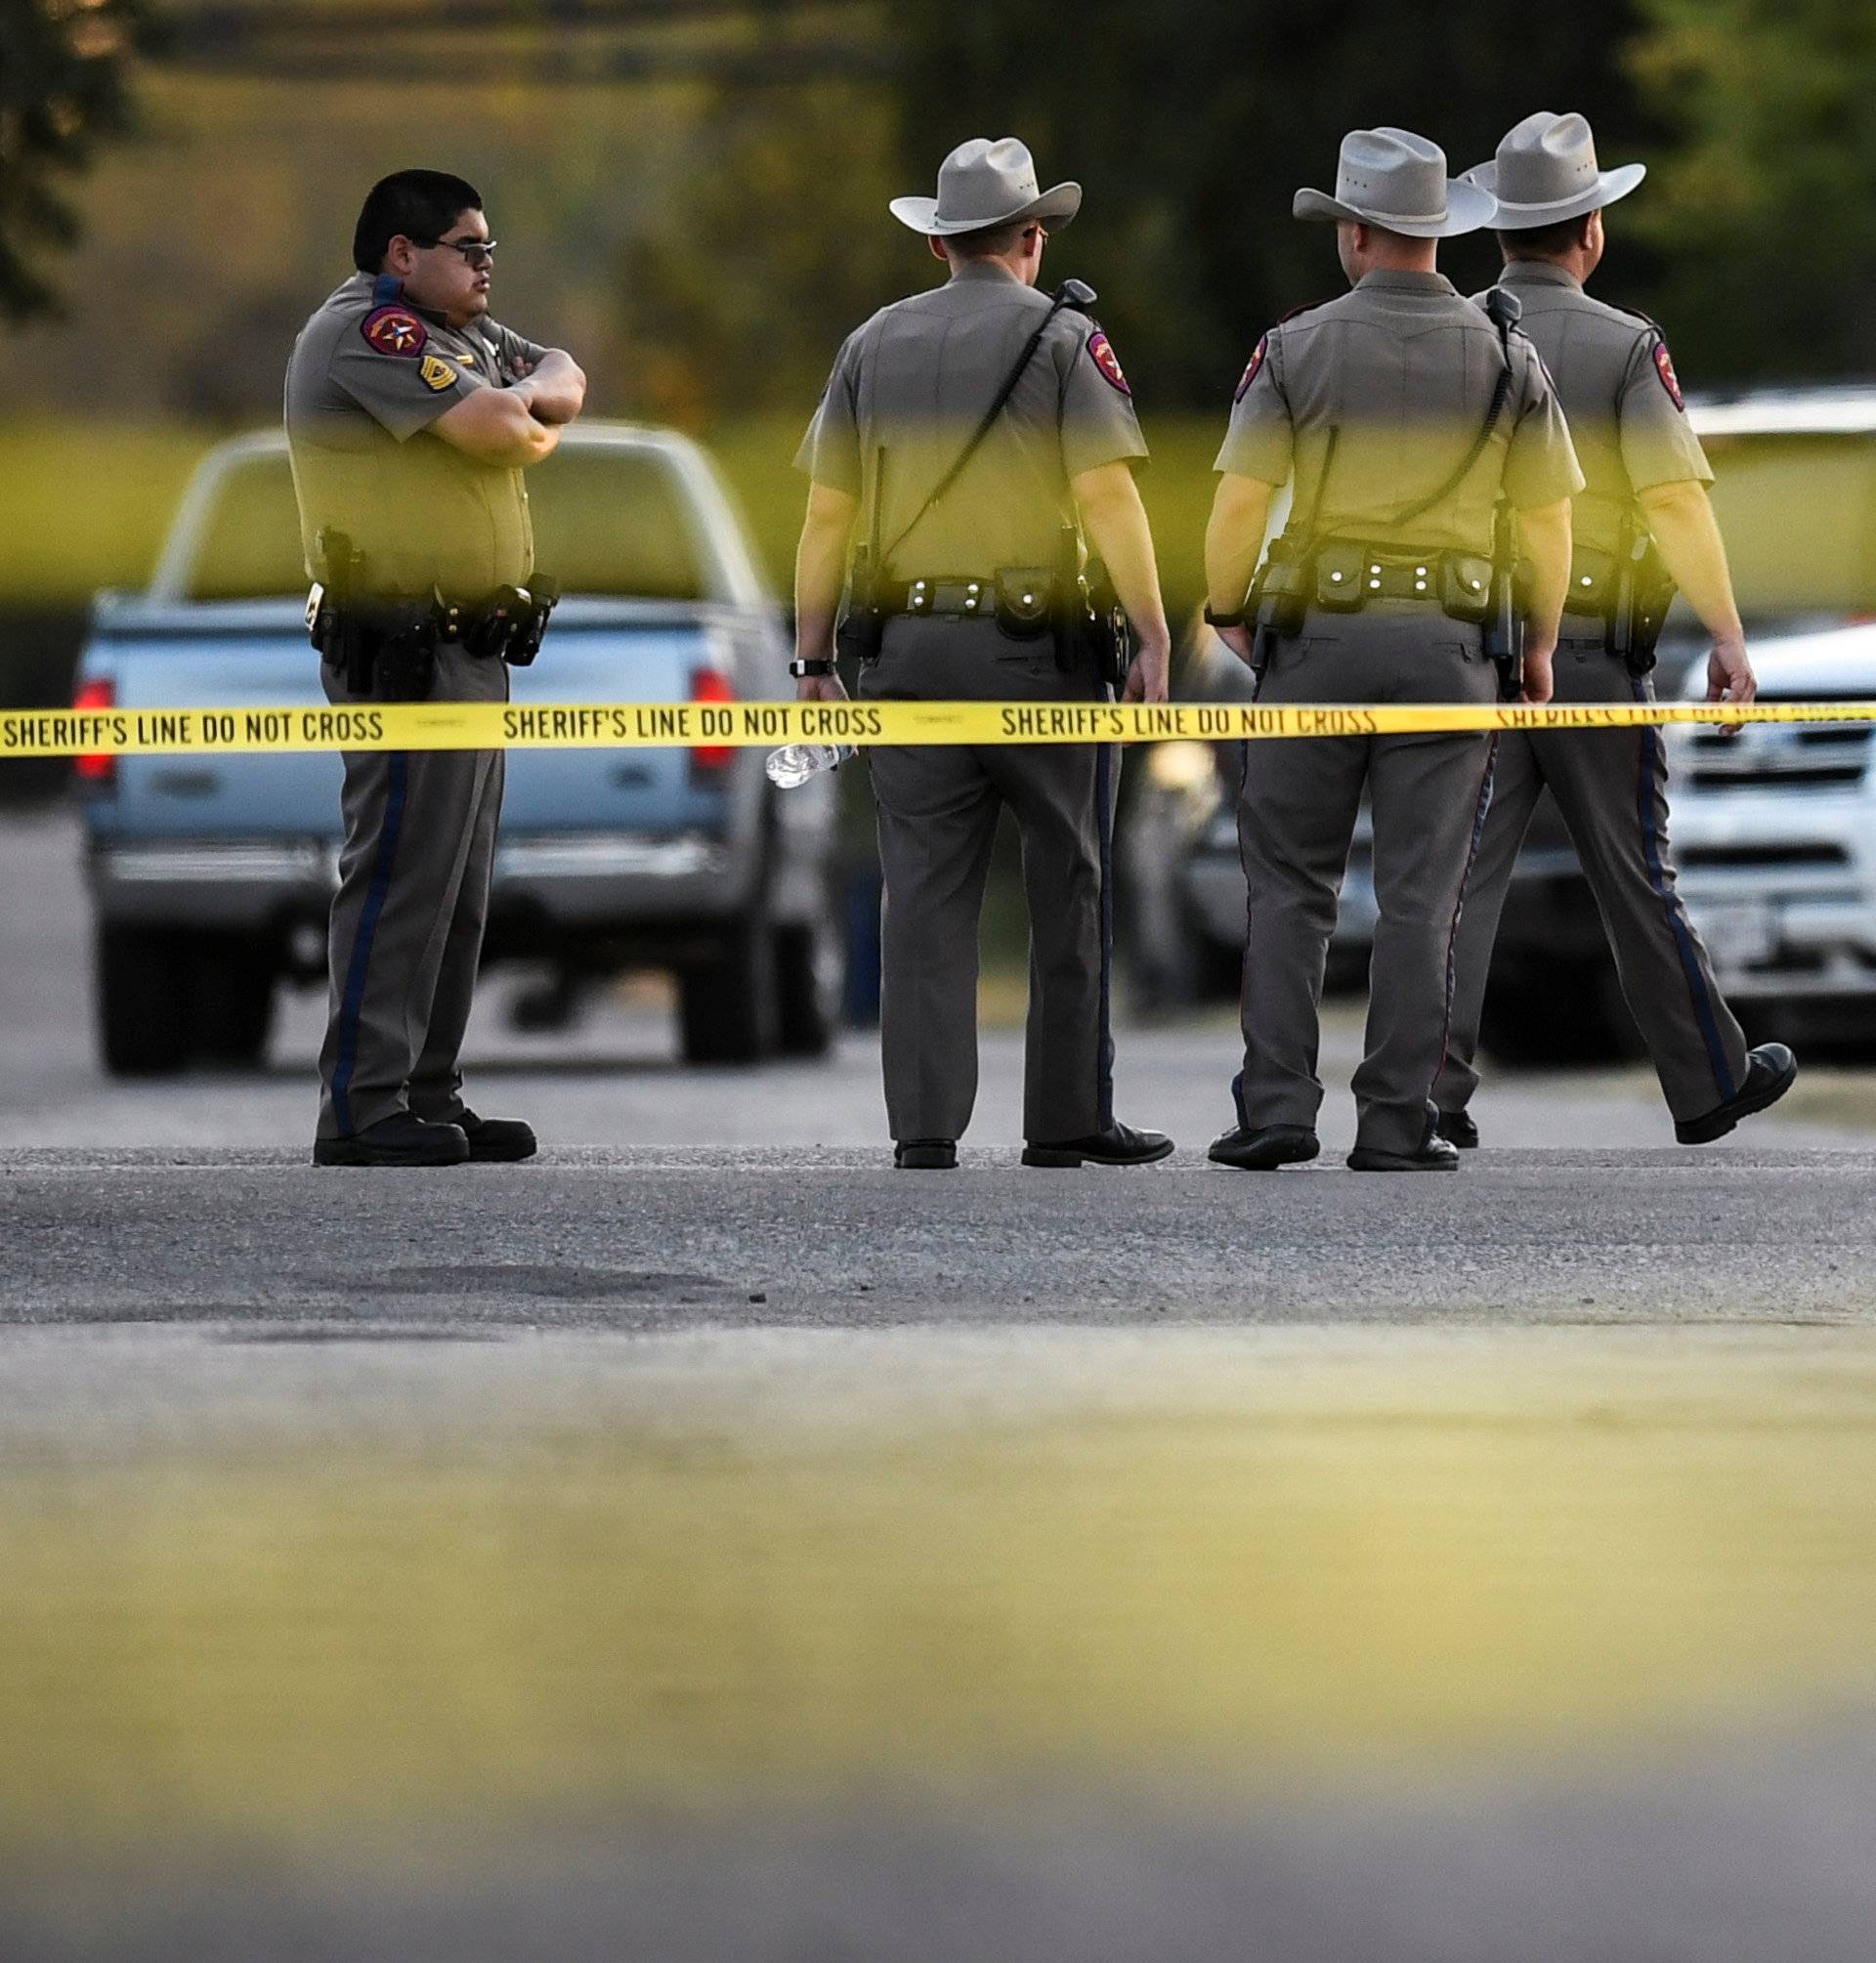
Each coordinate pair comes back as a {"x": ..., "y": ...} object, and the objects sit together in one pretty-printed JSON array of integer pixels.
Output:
[
  {"x": 911, "y": 385},
  {"x": 368, "y": 377},
  {"x": 1616, "y": 381},
  {"x": 1401, "y": 369}
]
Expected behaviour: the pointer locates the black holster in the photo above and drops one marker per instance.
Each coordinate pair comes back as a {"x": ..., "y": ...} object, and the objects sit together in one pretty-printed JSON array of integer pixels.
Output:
[{"x": 861, "y": 624}]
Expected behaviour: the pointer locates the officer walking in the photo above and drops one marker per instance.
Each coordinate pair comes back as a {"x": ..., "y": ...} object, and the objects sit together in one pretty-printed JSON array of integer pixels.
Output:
[
  {"x": 411, "y": 416},
  {"x": 1403, "y": 416},
  {"x": 1642, "y": 526},
  {"x": 962, "y": 433}
]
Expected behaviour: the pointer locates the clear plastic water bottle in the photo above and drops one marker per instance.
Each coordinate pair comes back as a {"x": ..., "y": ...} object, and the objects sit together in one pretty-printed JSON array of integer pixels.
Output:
[{"x": 795, "y": 763}]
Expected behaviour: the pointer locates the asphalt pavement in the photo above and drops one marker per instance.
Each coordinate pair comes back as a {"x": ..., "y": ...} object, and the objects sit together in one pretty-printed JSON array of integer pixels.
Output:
[{"x": 706, "y": 1543}]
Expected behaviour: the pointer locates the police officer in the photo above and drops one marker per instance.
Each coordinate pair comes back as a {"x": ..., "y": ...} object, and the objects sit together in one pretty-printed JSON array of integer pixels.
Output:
[
  {"x": 1402, "y": 414},
  {"x": 411, "y": 416},
  {"x": 965, "y": 586},
  {"x": 1647, "y": 482}
]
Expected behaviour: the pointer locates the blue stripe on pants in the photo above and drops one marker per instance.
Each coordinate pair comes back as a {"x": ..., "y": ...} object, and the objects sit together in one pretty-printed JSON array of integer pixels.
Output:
[
  {"x": 1652, "y": 760},
  {"x": 353, "y": 1005}
]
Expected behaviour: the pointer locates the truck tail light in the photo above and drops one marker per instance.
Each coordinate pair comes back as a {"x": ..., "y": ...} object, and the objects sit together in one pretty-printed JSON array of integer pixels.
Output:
[
  {"x": 96, "y": 770},
  {"x": 711, "y": 685}
]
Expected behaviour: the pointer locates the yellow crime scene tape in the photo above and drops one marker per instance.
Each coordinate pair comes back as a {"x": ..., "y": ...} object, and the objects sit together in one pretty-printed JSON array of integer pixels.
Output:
[{"x": 239, "y": 730}]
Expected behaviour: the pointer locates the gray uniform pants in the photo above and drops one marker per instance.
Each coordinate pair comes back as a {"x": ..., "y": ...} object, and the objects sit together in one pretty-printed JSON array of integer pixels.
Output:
[
  {"x": 406, "y": 933},
  {"x": 938, "y": 809},
  {"x": 1612, "y": 787},
  {"x": 1296, "y": 817}
]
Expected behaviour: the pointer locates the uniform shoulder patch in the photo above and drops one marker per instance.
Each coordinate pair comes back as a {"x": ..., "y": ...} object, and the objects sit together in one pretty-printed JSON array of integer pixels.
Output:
[
  {"x": 1253, "y": 369},
  {"x": 1107, "y": 361},
  {"x": 395, "y": 331},
  {"x": 1664, "y": 368},
  {"x": 437, "y": 374}
]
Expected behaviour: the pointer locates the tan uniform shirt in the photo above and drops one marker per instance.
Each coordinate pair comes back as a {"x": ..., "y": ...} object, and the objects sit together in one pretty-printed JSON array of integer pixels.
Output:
[
  {"x": 911, "y": 385},
  {"x": 366, "y": 380},
  {"x": 1404, "y": 367},
  {"x": 1617, "y": 385}
]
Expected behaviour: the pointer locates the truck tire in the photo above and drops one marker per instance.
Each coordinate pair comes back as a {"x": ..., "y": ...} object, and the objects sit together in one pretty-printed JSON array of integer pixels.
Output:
[
  {"x": 727, "y": 1009},
  {"x": 810, "y": 975},
  {"x": 143, "y": 1001},
  {"x": 231, "y": 1001},
  {"x": 1567, "y": 1015}
]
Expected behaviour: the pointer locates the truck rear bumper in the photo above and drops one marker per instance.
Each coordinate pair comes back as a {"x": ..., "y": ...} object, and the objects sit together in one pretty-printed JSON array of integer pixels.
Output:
[{"x": 578, "y": 881}]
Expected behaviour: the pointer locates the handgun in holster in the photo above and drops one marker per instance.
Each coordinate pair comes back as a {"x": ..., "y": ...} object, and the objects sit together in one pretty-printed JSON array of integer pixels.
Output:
[
  {"x": 1502, "y": 635},
  {"x": 1643, "y": 593},
  {"x": 861, "y": 624},
  {"x": 335, "y": 623}
]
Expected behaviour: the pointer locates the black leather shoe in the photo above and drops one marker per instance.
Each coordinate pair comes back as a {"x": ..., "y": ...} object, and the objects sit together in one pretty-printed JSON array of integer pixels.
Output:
[
  {"x": 397, "y": 1140},
  {"x": 1435, "y": 1155},
  {"x": 925, "y": 1155},
  {"x": 1457, "y": 1128},
  {"x": 494, "y": 1139},
  {"x": 1262, "y": 1148},
  {"x": 1118, "y": 1145},
  {"x": 1769, "y": 1071}
]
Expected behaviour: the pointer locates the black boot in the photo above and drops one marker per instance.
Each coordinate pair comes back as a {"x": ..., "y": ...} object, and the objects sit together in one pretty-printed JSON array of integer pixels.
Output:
[
  {"x": 1118, "y": 1145},
  {"x": 925, "y": 1155},
  {"x": 1458, "y": 1128},
  {"x": 398, "y": 1140},
  {"x": 1769, "y": 1071},
  {"x": 1262, "y": 1148},
  {"x": 492, "y": 1139}
]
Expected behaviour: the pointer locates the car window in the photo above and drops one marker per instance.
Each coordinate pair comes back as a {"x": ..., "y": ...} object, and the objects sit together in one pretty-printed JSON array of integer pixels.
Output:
[
  {"x": 615, "y": 522},
  {"x": 608, "y": 520},
  {"x": 248, "y": 547}
]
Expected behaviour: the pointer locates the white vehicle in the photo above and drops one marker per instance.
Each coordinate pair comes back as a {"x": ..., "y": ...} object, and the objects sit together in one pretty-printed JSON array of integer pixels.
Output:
[{"x": 1775, "y": 828}]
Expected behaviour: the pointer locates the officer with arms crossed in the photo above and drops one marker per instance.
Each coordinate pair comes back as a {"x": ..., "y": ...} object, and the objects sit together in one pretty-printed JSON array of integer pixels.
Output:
[
  {"x": 962, "y": 432},
  {"x": 1404, "y": 416},
  {"x": 1642, "y": 526},
  {"x": 411, "y": 416}
]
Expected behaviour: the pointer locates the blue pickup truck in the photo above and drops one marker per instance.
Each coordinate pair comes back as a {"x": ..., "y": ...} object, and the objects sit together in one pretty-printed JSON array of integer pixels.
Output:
[{"x": 211, "y": 877}]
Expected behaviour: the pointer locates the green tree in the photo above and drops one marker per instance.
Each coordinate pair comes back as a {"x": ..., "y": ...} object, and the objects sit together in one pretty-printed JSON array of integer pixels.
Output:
[
  {"x": 1191, "y": 124},
  {"x": 65, "y": 89},
  {"x": 1766, "y": 204}
]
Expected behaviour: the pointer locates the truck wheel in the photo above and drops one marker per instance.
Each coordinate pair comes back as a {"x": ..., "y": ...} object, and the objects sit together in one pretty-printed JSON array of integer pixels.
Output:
[
  {"x": 231, "y": 1001},
  {"x": 810, "y": 977},
  {"x": 142, "y": 999},
  {"x": 727, "y": 1004}
]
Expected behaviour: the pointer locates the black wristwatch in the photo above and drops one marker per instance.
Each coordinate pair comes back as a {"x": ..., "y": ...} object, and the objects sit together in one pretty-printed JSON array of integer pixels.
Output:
[
  {"x": 1213, "y": 620},
  {"x": 800, "y": 670}
]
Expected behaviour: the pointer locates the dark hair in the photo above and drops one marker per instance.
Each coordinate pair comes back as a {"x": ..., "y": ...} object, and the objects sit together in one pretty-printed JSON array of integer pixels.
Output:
[
  {"x": 991, "y": 241},
  {"x": 421, "y": 204},
  {"x": 1544, "y": 241}
]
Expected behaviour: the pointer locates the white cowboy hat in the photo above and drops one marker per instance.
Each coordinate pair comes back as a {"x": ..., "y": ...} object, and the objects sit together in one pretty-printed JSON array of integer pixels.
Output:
[
  {"x": 982, "y": 183},
  {"x": 1545, "y": 172},
  {"x": 1396, "y": 180}
]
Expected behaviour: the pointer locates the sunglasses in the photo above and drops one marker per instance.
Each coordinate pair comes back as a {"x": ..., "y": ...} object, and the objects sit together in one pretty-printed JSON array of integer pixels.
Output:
[{"x": 475, "y": 251}]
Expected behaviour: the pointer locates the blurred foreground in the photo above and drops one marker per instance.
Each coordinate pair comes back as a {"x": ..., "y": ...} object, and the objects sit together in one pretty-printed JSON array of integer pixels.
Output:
[{"x": 1431, "y": 1647}]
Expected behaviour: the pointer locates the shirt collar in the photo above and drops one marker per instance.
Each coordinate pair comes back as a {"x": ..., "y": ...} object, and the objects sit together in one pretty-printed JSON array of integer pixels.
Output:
[
  {"x": 1389, "y": 280},
  {"x": 1538, "y": 272},
  {"x": 367, "y": 284},
  {"x": 984, "y": 269}
]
